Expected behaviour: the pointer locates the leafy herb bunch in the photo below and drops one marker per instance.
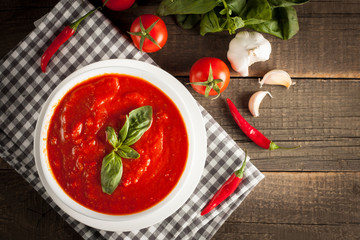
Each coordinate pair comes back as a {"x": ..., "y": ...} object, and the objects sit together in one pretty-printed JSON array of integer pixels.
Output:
[
  {"x": 137, "y": 123},
  {"x": 276, "y": 17}
]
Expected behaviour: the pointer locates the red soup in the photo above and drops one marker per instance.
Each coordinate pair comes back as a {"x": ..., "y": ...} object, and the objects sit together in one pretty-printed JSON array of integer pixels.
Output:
[{"x": 77, "y": 144}]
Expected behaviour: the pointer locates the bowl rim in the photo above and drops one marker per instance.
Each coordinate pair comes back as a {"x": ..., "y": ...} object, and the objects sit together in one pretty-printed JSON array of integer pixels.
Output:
[{"x": 196, "y": 156}]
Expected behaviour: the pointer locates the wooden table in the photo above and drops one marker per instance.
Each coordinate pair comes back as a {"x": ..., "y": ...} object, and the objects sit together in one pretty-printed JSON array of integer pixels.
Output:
[{"x": 309, "y": 193}]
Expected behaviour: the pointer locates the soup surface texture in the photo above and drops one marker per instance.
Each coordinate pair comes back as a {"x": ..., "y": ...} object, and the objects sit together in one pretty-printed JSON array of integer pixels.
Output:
[{"x": 77, "y": 144}]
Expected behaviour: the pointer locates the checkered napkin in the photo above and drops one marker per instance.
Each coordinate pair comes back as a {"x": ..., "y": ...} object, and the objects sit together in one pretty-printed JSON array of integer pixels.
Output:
[{"x": 24, "y": 89}]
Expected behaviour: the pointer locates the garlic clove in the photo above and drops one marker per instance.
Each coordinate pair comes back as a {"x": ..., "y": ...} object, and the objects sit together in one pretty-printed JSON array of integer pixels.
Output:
[
  {"x": 277, "y": 77},
  {"x": 255, "y": 100}
]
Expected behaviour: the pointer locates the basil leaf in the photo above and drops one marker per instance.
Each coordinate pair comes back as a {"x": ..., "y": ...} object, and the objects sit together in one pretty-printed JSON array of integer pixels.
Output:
[
  {"x": 256, "y": 12},
  {"x": 124, "y": 130},
  {"x": 286, "y": 3},
  {"x": 128, "y": 152},
  {"x": 234, "y": 23},
  {"x": 288, "y": 20},
  {"x": 283, "y": 25},
  {"x": 140, "y": 121},
  {"x": 210, "y": 23},
  {"x": 188, "y": 21},
  {"x": 223, "y": 12},
  {"x": 111, "y": 136},
  {"x": 169, "y": 7},
  {"x": 236, "y": 5},
  {"x": 253, "y": 21},
  {"x": 111, "y": 172}
]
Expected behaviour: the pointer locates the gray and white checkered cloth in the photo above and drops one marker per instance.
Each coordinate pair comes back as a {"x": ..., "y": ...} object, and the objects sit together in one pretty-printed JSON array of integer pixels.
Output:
[{"x": 24, "y": 89}]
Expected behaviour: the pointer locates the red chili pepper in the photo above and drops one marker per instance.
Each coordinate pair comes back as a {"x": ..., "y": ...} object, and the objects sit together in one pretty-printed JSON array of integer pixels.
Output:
[
  {"x": 226, "y": 189},
  {"x": 64, "y": 35},
  {"x": 256, "y": 136}
]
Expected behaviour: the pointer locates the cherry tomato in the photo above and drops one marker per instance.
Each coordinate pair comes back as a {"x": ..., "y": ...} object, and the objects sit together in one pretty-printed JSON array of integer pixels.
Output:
[
  {"x": 158, "y": 33},
  {"x": 199, "y": 76},
  {"x": 119, "y": 5}
]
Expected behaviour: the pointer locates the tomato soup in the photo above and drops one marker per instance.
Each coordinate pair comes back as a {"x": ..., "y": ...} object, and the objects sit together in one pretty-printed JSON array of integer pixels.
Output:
[{"x": 77, "y": 144}]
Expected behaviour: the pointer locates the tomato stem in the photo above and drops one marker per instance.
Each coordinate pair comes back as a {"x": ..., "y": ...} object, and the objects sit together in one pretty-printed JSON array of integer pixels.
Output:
[
  {"x": 145, "y": 34},
  {"x": 211, "y": 83}
]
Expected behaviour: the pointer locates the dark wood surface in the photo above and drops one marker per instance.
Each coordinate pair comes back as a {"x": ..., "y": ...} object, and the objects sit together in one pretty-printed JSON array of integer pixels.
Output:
[{"x": 309, "y": 193}]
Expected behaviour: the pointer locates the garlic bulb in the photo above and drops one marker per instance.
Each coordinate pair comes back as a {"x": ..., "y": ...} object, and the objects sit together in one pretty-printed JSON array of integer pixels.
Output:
[
  {"x": 277, "y": 77},
  {"x": 255, "y": 100},
  {"x": 247, "y": 48}
]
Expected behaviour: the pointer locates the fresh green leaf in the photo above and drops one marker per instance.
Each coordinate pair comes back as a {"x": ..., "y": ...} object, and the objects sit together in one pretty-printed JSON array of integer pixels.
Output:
[
  {"x": 111, "y": 137},
  {"x": 283, "y": 25},
  {"x": 256, "y": 12},
  {"x": 253, "y": 21},
  {"x": 234, "y": 23},
  {"x": 124, "y": 130},
  {"x": 226, "y": 21},
  {"x": 238, "y": 22},
  {"x": 289, "y": 21},
  {"x": 188, "y": 21},
  {"x": 128, "y": 152},
  {"x": 170, "y": 7},
  {"x": 220, "y": 15},
  {"x": 136, "y": 124},
  {"x": 140, "y": 121},
  {"x": 223, "y": 12},
  {"x": 286, "y": 3},
  {"x": 210, "y": 23},
  {"x": 111, "y": 172},
  {"x": 236, "y": 6}
]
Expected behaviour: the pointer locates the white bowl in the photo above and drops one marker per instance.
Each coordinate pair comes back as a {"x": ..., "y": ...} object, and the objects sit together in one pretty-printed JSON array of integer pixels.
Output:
[{"x": 194, "y": 165}]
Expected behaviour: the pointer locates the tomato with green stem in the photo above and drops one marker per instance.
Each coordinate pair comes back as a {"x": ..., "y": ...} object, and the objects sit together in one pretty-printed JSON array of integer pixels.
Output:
[
  {"x": 209, "y": 76},
  {"x": 149, "y": 33}
]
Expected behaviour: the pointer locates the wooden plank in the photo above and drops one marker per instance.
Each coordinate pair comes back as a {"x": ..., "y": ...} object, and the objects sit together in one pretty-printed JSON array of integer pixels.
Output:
[
  {"x": 23, "y": 212},
  {"x": 326, "y": 46},
  {"x": 321, "y": 115},
  {"x": 283, "y": 206},
  {"x": 256, "y": 231},
  {"x": 298, "y": 206}
]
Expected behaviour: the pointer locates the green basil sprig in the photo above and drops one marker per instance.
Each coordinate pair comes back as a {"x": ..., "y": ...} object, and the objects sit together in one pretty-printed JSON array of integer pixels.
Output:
[
  {"x": 137, "y": 123},
  {"x": 276, "y": 17}
]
